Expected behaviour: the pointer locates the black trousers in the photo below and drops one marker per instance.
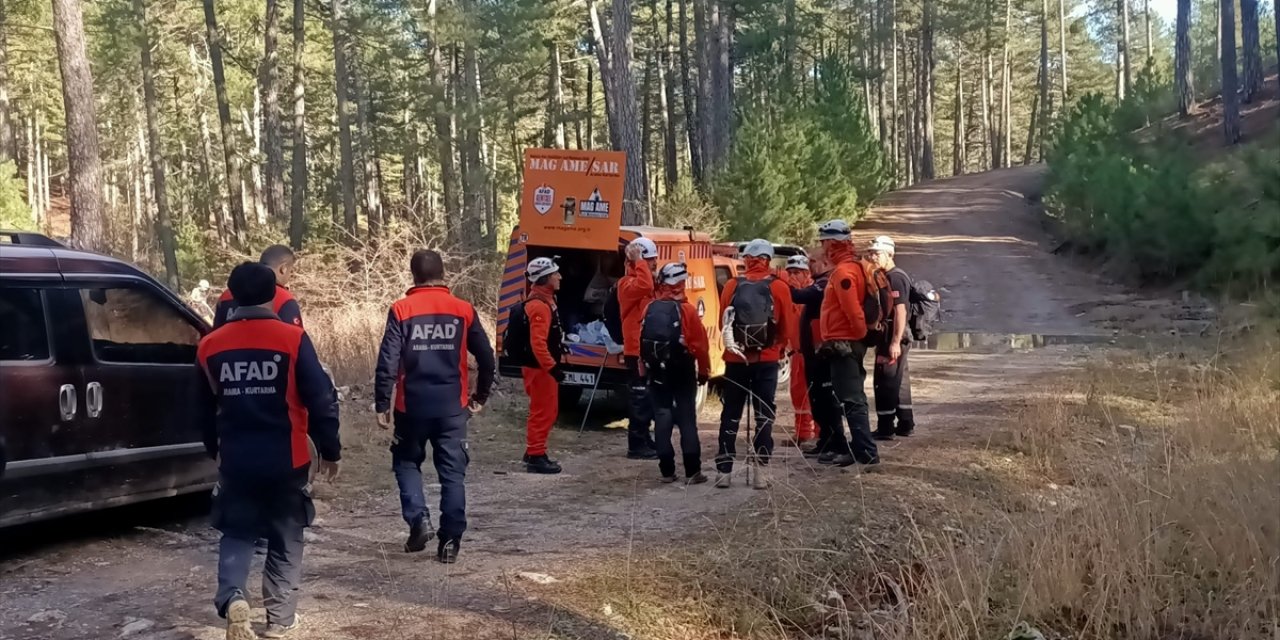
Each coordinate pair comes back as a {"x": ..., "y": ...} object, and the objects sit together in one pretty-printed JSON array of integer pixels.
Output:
[
  {"x": 639, "y": 406},
  {"x": 759, "y": 381},
  {"x": 892, "y": 383},
  {"x": 824, "y": 405},
  {"x": 848, "y": 375},
  {"x": 675, "y": 406}
]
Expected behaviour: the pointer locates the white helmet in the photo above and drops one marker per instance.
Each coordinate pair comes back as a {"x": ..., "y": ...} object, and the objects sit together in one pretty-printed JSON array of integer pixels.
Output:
[
  {"x": 758, "y": 248},
  {"x": 882, "y": 244},
  {"x": 798, "y": 262},
  {"x": 834, "y": 230},
  {"x": 540, "y": 268},
  {"x": 673, "y": 273},
  {"x": 648, "y": 249}
]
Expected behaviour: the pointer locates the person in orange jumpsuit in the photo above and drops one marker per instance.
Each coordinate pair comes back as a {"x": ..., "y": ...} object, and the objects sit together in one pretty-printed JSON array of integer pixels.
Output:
[
  {"x": 676, "y": 358},
  {"x": 635, "y": 292},
  {"x": 542, "y": 375},
  {"x": 806, "y": 435}
]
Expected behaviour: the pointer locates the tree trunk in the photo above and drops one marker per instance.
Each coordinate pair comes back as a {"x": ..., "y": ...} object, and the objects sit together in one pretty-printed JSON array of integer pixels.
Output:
[
  {"x": 1217, "y": 25},
  {"x": 84, "y": 165},
  {"x": 882, "y": 19},
  {"x": 28, "y": 130},
  {"x": 687, "y": 93},
  {"x": 298, "y": 203},
  {"x": 706, "y": 110},
  {"x": 646, "y": 118},
  {"x": 591, "y": 105},
  {"x": 365, "y": 142},
  {"x": 895, "y": 132},
  {"x": 253, "y": 130},
  {"x": 8, "y": 141},
  {"x": 958, "y": 151},
  {"x": 269, "y": 81},
  {"x": 1146, "y": 21},
  {"x": 1062, "y": 47},
  {"x": 1230, "y": 83},
  {"x": 722, "y": 80},
  {"x": 604, "y": 59},
  {"x": 1037, "y": 106},
  {"x": 1006, "y": 119},
  {"x": 988, "y": 135},
  {"x": 927, "y": 170},
  {"x": 230, "y": 159},
  {"x": 667, "y": 79},
  {"x": 553, "y": 129},
  {"x": 341, "y": 69},
  {"x": 1046, "y": 112},
  {"x": 619, "y": 77},
  {"x": 1251, "y": 49},
  {"x": 164, "y": 230},
  {"x": 1183, "y": 78},
  {"x": 444, "y": 131},
  {"x": 475, "y": 183},
  {"x": 1122, "y": 50}
]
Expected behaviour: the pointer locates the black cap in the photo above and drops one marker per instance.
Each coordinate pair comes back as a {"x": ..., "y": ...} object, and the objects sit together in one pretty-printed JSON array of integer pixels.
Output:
[{"x": 252, "y": 284}]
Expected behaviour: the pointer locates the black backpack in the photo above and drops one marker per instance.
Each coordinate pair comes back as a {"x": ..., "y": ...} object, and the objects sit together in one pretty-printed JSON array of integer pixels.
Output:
[
  {"x": 754, "y": 326},
  {"x": 924, "y": 309},
  {"x": 662, "y": 335},
  {"x": 613, "y": 315},
  {"x": 515, "y": 338}
]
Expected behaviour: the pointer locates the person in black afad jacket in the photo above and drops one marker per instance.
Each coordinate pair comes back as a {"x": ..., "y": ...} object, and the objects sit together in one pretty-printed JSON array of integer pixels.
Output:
[
  {"x": 421, "y": 387},
  {"x": 281, "y": 260},
  {"x": 832, "y": 448},
  {"x": 264, "y": 394}
]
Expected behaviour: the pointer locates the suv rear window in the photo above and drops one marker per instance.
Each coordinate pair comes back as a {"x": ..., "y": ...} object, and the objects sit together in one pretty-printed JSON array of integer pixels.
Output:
[
  {"x": 137, "y": 326},
  {"x": 25, "y": 336}
]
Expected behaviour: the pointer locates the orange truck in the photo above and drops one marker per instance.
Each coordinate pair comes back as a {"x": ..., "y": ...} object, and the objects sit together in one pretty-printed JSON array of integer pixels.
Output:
[{"x": 570, "y": 210}]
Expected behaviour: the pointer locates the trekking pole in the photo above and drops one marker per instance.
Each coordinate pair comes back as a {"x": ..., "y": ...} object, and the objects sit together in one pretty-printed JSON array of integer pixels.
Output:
[{"x": 594, "y": 387}]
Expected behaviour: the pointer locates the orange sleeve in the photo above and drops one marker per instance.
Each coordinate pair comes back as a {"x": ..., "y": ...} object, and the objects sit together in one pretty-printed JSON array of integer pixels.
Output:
[
  {"x": 695, "y": 338},
  {"x": 786, "y": 314},
  {"x": 539, "y": 314},
  {"x": 636, "y": 286},
  {"x": 850, "y": 298}
]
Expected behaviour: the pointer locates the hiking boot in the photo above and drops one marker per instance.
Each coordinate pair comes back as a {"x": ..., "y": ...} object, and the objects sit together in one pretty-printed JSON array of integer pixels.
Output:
[
  {"x": 238, "y": 627},
  {"x": 882, "y": 434},
  {"x": 828, "y": 457},
  {"x": 447, "y": 552},
  {"x": 419, "y": 535},
  {"x": 904, "y": 432},
  {"x": 668, "y": 479},
  {"x": 812, "y": 453},
  {"x": 646, "y": 453},
  {"x": 760, "y": 478},
  {"x": 539, "y": 464},
  {"x": 843, "y": 460},
  {"x": 276, "y": 630},
  {"x": 808, "y": 444},
  {"x": 723, "y": 480},
  {"x": 697, "y": 478}
]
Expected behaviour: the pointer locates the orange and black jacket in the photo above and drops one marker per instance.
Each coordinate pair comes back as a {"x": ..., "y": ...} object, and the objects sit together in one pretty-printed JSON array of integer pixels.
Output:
[
  {"x": 263, "y": 393},
  {"x": 635, "y": 292},
  {"x": 546, "y": 338},
  {"x": 284, "y": 304},
  {"x": 783, "y": 311},
  {"x": 842, "y": 315},
  {"x": 695, "y": 338},
  {"x": 423, "y": 356},
  {"x": 810, "y": 300}
]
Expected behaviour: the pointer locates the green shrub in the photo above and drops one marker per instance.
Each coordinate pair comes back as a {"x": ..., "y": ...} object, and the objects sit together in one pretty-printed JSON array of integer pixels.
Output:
[{"x": 14, "y": 212}]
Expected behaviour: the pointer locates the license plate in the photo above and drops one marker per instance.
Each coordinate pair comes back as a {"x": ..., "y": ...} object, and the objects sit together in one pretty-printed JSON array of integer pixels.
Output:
[{"x": 578, "y": 379}]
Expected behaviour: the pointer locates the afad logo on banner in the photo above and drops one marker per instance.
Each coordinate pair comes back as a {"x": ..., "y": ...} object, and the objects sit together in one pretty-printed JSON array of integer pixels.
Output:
[{"x": 572, "y": 198}]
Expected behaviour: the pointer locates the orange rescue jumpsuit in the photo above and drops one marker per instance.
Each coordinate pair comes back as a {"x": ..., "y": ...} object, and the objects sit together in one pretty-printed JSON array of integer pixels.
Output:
[
  {"x": 542, "y": 388},
  {"x": 805, "y": 429}
]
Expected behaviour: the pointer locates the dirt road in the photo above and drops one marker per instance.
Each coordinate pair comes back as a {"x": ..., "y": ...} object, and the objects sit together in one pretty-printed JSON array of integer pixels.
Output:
[{"x": 976, "y": 237}]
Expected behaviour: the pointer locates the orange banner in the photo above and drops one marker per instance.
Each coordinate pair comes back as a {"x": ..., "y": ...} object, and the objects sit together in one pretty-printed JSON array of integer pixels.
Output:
[{"x": 572, "y": 198}]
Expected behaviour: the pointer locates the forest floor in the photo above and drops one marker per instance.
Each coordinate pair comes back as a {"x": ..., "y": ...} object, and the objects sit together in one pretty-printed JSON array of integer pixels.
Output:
[{"x": 548, "y": 556}]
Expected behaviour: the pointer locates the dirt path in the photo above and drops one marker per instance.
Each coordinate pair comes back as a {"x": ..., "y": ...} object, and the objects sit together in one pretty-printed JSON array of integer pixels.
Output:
[{"x": 974, "y": 236}]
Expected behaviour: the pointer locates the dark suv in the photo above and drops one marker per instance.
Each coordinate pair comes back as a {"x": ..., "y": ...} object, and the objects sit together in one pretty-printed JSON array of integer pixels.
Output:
[{"x": 96, "y": 381}]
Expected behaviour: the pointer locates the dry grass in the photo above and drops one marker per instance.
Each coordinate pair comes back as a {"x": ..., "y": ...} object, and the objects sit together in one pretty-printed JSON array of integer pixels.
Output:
[{"x": 1164, "y": 523}]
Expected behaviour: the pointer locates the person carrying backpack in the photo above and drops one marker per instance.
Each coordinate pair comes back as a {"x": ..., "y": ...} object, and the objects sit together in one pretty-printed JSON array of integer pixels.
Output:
[
  {"x": 676, "y": 359},
  {"x": 832, "y": 447},
  {"x": 891, "y": 379},
  {"x": 844, "y": 327},
  {"x": 541, "y": 366},
  {"x": 635, "y": 292},
  {"x": 758, "y": 318},
  {"x": 799, "y": 277}
]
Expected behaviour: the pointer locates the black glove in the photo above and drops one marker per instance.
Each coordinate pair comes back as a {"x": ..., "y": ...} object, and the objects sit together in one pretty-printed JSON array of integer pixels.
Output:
[
  {"x": 703, "y": 378},
  {"x": 557, "y": 374}
]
